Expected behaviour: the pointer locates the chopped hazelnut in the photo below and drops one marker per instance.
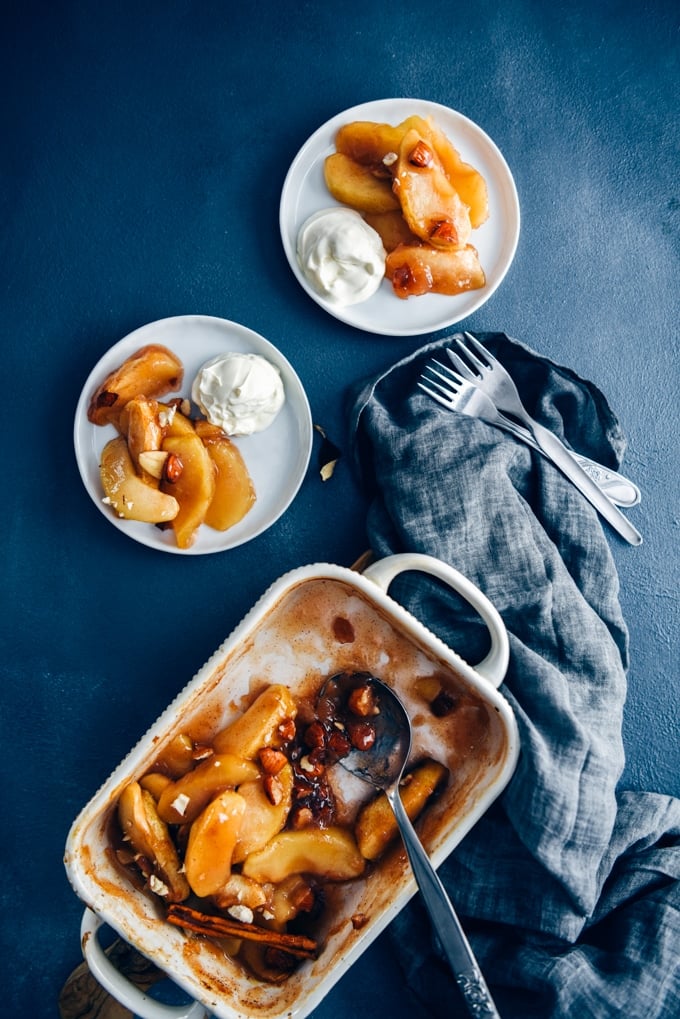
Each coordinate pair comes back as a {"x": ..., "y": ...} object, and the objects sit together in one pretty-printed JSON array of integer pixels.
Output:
[
  {"x": 172, "y": 468},
  {"x": 421, "y": 155},
  {"x": 361, "y": 734},
  {"x": 273, "y": 788},
  {"x": 286, "y": 730},
  {"x": 301, "y": 817},
  {"x": 444, "y": 230},
  {"x": 363, "y": 702},
  {"x": 272, "y": 760}
]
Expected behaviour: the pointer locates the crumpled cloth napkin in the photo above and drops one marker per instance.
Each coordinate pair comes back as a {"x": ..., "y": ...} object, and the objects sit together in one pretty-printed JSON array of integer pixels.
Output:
[{"x": 570, "y": 887}]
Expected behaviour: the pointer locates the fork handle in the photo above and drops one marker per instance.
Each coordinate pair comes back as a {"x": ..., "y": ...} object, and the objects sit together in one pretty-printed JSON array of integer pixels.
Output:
[
  {"x": 560, "y": 456},
  {"x": 616, "y": 487}
]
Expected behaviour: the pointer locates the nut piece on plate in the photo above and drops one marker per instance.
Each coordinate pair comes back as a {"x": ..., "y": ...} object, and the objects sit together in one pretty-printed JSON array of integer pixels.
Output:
[
  {"x": 131, "y": 496},
  {"x": 153, "y": 371}
]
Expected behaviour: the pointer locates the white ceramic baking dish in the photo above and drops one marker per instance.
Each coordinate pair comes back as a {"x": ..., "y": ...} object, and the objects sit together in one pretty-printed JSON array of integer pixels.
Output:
[{"x": 313, "y": 622}]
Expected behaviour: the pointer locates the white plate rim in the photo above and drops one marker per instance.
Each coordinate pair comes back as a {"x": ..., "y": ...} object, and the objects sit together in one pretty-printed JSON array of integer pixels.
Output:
[
  {"x": 431, "y": 312},
  {"x": 195, "y": 339}
]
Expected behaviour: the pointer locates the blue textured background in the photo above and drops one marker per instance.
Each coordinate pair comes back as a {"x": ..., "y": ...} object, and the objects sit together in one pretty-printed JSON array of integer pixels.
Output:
[{"x": 143, "y": 149}]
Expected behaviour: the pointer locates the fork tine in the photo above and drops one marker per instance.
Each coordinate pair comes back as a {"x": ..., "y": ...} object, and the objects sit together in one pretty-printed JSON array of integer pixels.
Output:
[
  {"x": 445, "y": 402},
  {"x": 480, "y": 348},
  {"x": 462, "y": 368},
  {"x": 445, "y": 373},
  {"x": 471, "y": 356},
  {"x": 446, "y": 390}
]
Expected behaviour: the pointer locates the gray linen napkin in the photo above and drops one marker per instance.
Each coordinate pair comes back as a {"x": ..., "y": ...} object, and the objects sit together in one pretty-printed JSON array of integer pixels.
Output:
[{"x": 571, "y": 886}]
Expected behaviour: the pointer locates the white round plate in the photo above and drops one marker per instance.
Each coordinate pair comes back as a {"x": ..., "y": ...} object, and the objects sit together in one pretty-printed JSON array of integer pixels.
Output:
[
  {"x": 276, "y": 458},
  {"x": 305, "y": 192}
]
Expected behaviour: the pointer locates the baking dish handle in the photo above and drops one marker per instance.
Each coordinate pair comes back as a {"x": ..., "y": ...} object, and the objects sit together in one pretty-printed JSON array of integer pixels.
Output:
[
  {"x": 493, "y": 667},
  {"x": 125, "y": 992}
]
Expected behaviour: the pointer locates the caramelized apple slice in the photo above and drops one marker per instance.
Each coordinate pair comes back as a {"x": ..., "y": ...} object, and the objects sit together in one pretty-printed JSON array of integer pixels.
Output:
[
  {"x": 468, "y": 182},
  {"x": 155, "y": 782},
  {"x": 149, "y": 836},
  {"x": 261, "y": 725},
  {"x": 144, "y": 433},
  {"x": 212, "y": 838},
  {"x": 330, "y": 853},
  {"x": 368, "y": 143},
  {"x": 376, "y": 825},
  {"x": 419, "y": 269},
  {"x": 178, "y": 756},
  {"x": 194, "y": 488},
  {"x": 234, "y": 490},
  {"x": 431, "y": 206},
  {"x": 182, "y": 801},
  {"x": 268, "y": 800},
  {"x": 174, "y": 422},
  {"x": 355, "y": 185},
  {"x": 129, "y": 495},
  {"x": 153, "y": 370}
]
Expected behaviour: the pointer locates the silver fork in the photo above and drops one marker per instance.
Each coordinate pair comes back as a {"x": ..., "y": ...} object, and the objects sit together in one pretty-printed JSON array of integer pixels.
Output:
[
  {"x": 454, "y": 392},
  {"x": 486, "y": 372}
]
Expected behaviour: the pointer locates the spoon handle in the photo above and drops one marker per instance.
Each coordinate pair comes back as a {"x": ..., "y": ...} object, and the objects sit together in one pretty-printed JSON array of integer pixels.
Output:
[{"x": 450, "y": 934}]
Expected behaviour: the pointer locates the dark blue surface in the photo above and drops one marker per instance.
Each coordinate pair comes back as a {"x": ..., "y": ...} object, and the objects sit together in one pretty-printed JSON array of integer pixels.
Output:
[{"x": 143, "y": 151}]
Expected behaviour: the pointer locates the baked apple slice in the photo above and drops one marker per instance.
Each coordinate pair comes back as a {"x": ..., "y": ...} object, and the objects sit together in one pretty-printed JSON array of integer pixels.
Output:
[
  {"x": 153, "y": 370},
  {"x": 266, "y": 813},
  {"x": 468, "y": 182},
  {"x": 431, "y": 205},
  {"x": 194, "y": 488},
  {"x": 263, "y": 724},
  {"x": 150, "y": 838},
  {"x": 130, "y": 496},
  {"x": 368, "y": 143},
  {"x": 357, "y": 186},
  {"x": 414, "y": 270},
  {"x": 212, "y": 838},
  {"x": 234, "y": 490},
  {"x": 144, "y": 432},
  {"x": 330, "y": 853}
]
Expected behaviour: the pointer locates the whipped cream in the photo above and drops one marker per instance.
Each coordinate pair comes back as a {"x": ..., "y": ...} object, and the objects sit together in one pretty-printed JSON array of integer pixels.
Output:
[
  {"x": 341, "y": 255},
  {"x": 242, "y": 393}
]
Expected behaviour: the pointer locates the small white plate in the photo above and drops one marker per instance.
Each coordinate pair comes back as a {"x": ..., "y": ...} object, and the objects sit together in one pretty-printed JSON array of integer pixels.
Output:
[
  {"x": 276, "y": 458},
  {"x": 305, "y": 192}
]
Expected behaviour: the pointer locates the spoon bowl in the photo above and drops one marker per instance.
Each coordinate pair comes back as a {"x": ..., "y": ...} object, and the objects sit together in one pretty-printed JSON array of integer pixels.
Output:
[{"x": 379, "y": 758}]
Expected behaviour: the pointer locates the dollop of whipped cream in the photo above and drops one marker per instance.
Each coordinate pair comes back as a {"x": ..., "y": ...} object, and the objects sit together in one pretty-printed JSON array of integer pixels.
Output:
[
  {"x": 341, "y": 255},
  {"x": 242, "y": 393}
]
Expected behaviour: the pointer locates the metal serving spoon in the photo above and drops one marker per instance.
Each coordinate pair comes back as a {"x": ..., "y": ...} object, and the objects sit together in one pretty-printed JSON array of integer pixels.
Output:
[{"x": 382, "y": 766}]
